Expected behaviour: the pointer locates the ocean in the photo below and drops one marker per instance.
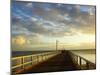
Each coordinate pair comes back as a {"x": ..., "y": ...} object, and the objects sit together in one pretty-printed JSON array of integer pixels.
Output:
[
  {"x": 87, "y": 54},
  {"x": 90, "y": 55},
  {"x": 24, "y": 53}
]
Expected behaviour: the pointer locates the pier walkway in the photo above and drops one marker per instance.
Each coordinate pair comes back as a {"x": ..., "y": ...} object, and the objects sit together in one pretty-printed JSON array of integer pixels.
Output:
[{"x": 59, "y": 61}]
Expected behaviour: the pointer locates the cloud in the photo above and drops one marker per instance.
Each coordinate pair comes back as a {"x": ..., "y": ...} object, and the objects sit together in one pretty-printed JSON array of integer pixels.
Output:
[
  {"x": 90, "y": 45},
  {"x": 29, "y": 5},
  {"x": 37, "y": 20},
  {"x": 57, "y": 21}
]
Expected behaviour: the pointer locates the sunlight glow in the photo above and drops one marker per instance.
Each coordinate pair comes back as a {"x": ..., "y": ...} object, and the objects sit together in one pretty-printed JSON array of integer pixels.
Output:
[{"x": 20, "y": 40}]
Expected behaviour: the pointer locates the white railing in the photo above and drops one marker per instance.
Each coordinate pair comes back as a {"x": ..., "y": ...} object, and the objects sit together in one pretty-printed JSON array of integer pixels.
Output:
[
  {"x": 23, "y": 62},
  {"x": 81, "y": 62}
]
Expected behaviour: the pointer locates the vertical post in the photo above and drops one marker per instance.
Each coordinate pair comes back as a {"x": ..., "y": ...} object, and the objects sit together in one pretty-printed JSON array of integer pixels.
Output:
[
  {"x": 42, "y": 57},
  {"x": 80, "y": 62},
  {"x": 76, "y": 59},
  {"x": 37, "y": 59},
  {"x": 22, "y": 63},
  {"x": 87, "y": 65},
  {"x": 45, "y": 56},
  {"x": 32, "y": 59},
  {"x": 56, "y": 45}
]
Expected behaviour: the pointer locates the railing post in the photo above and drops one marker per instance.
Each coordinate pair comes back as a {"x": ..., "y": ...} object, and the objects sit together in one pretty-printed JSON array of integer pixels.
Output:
[
  {"x": 80, "y": 62},
  {"x": 42, "y": 57},
  {"x": 32, "y": 59},
  {"x": 37, "y": 59},
  {"x": 87, "y": 65},
  {"x": 45, "y": 56},
  {"x": 76, "y": 59},
  {"x": 22, "y": 62}
]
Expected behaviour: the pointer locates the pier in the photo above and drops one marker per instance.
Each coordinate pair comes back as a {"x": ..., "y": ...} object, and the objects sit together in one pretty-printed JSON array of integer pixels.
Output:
[{"x": 50, "y": 62}]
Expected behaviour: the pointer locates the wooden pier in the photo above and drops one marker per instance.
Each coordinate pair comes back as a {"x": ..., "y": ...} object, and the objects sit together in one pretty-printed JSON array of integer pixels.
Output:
[{"x": 50, "y": 62}]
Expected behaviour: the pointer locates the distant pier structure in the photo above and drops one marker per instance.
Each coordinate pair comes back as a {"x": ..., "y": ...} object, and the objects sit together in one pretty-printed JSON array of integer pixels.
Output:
[{"x": 57, "y": 45}]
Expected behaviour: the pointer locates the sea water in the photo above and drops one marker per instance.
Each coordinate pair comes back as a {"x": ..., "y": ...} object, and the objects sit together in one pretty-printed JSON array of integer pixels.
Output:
[{"x": 89, "y": 55}]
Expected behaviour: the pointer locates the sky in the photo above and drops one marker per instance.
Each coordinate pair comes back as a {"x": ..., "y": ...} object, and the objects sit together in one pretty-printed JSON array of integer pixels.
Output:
[{"x": 37, "y": 26}]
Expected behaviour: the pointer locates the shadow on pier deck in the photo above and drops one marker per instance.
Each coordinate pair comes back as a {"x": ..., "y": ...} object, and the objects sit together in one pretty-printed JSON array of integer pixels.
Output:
[{"x": 61, "y": 62}]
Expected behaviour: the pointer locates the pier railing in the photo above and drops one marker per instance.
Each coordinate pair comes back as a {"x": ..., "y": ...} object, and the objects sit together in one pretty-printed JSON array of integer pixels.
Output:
[
  {"x": 24, "y": 62},
  {"x": 81, "y": 62}
]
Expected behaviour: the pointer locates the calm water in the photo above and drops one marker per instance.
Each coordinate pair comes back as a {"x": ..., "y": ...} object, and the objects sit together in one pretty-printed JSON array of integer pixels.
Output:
[
  {"x": 23, "y": 53},
  {"x": 87, "y": 54}
]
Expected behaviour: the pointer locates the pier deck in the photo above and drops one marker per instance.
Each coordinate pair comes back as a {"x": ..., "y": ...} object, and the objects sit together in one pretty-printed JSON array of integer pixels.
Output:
[
  {"x": 52, "y": 62},
  {"x": 61, "y": 62}
]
